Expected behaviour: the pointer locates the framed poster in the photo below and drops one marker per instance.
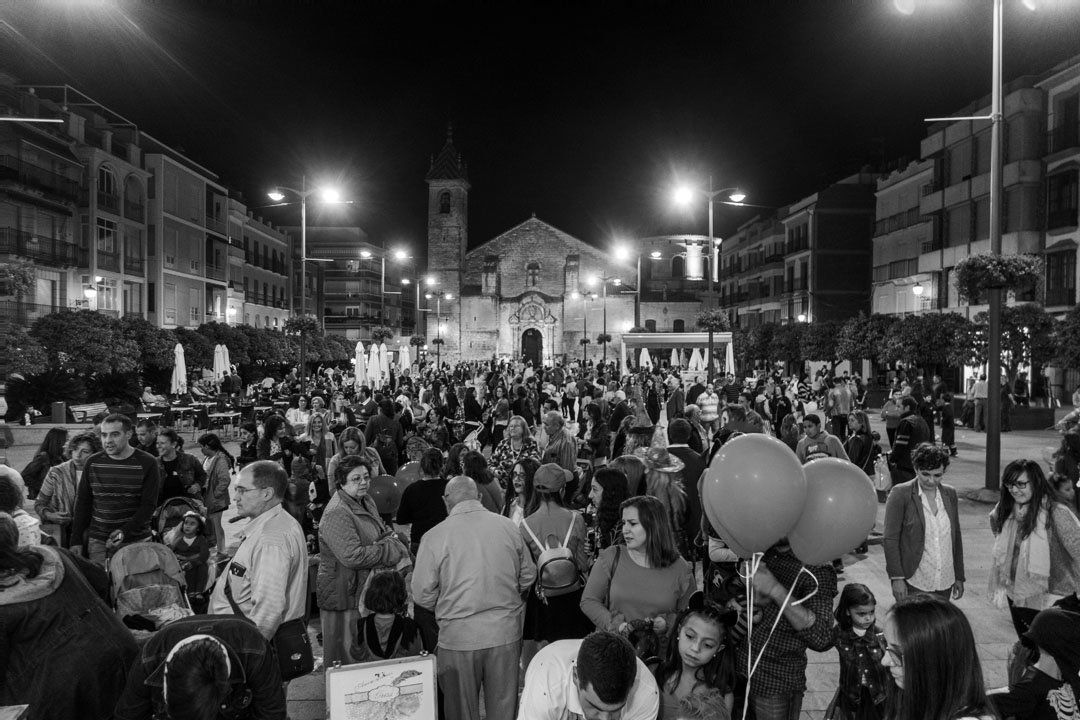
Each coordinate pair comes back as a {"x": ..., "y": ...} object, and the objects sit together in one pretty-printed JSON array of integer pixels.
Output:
[{"x": 399, "y": 689}]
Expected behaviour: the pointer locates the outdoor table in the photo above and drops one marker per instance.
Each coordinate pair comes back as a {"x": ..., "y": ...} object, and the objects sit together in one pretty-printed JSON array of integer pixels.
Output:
[
  {"x": 149, "y": 415},
  {"x": 179, "y": 411},
  {"x": 229, "y": 419}
]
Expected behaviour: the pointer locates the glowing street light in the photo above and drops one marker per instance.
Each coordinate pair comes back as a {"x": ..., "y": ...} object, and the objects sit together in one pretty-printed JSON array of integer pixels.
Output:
[{"x": 684, "y": 195}]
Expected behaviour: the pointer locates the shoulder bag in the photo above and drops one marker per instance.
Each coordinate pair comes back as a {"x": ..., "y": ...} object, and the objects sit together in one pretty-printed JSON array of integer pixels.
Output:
[{"x": 291, "y": 643}]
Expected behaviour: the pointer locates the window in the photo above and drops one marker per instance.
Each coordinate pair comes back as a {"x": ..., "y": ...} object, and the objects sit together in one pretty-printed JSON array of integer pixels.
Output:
[
  {"x": 106, "y": 235},
  {"x": 170, "y": 303},
  {"x": 650, "y": 326},
  {"x": 169, "y": 247},
  {"x": 444, "y": 202},
  {"x": 982, "y": 218},
  {"x": 958, "y": 226},
  {"x": 193, "y": 305},
  {"x": 1062, "y": 199},
  {"x": 352, "y": 311},
  {"x": 1061, "y": 278},
  {"x": 677, "y": 266},
  {"x": 151, "y": 294},
  {"x": 532, "y": 274},
  {"x": 679, "y": 326},
  {"x": 106, "y": 181}
]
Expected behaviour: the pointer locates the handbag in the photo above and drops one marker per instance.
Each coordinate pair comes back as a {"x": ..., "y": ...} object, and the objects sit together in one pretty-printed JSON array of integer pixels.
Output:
[
  {"x": 882, "y": 474},
  {"x": 291, "y": 643}
]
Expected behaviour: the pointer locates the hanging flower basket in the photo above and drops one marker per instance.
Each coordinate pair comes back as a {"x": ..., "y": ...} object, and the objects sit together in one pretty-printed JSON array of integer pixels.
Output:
[
  {"x": 417, "y": 341},
  {"x": 977, "y": 273},
  {"x": 584, "y": 341},
  {"x": 438, "y": 341},
  {"x": 381, "y": 334},
  {"x": 603, "y": 338}
]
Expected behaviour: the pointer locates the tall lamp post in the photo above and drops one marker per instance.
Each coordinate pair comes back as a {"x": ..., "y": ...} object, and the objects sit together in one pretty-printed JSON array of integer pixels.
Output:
[
  {"x": 684, "y": 195},
  {"x": 329, "y": 195},
  {"x": 439, "y": 297},
  {"x": 623, "y": 252},
  {"x": 400, "y": 256},
  {"x": 604, "y": 280},
  {"x": 585, "y": 297},
  {"x": 993, "y": 373}
]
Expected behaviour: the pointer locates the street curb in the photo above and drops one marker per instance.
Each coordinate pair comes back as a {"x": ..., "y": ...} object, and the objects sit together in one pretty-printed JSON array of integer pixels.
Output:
[{"x": 981, "y": 495}]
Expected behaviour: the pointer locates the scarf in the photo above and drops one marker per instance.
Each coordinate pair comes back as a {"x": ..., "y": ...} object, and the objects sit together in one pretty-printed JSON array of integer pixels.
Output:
[{"x": 1029, "y": 585}]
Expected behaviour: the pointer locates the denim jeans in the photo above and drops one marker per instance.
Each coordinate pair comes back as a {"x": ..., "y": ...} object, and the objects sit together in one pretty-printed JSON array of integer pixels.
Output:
[{"x": 777, "y": 707}]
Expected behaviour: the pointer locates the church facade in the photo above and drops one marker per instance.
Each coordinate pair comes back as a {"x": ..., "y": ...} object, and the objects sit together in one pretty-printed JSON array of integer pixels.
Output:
[{"x": 535, "y": 292}]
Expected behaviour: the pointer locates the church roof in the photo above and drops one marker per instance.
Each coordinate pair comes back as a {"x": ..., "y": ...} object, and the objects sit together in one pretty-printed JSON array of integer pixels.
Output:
[
  {"x": 535, "y": 224},
  {"x": 448, "y": 165}
]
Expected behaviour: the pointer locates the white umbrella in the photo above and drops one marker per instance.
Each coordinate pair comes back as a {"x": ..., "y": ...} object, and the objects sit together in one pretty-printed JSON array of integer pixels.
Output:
[
  {"x": 225, "y": 354},
  {"x": 384, "y": 362},
  {"x": 373, "y": 368},
  {"x": 219, "y": 362},
  {"x": 361, "y": 365},
  {"x": 404, "y": 361},
  {"x": 675, "y": 361},
  {"x": 644, "y": 360},
  {"x": 179, "y": 372},
  {"x": 729, "y": 359},
  {"x": 696, "y": 363}
]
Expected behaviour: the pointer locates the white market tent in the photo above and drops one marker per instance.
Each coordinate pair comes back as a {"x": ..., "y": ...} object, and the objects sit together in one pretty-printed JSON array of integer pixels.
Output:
[{"x": 636, "y": 342}]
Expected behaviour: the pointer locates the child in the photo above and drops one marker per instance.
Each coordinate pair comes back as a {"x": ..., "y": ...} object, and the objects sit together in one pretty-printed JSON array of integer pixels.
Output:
[
  {"x": 249, "y": 442},
  {"x": 699, "y": 661},
  {"x": 860, "y": 644},
  {"x": 193, "y": 552},
  {"x": 387, "y": 632}
]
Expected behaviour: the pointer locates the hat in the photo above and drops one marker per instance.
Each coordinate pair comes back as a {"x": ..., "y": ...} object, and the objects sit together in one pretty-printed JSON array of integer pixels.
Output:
[
  {"x": 658, "y": 459},
  {"x": 551, "y": 477}
]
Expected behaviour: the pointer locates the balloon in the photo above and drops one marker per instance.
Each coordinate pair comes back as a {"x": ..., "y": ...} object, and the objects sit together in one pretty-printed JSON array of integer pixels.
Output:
[
  {"x": 725, "y": 535},
  {"x": 385, "y": 490},
  {"x": 408, "y": 473},
  {"x": 840, "y": 511},
  {"x": 754, "y": 491}
]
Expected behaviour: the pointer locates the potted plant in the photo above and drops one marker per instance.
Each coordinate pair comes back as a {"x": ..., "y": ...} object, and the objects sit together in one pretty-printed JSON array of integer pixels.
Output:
[
  {"x": 381, "y": 334},
  {"x": 977, "y": 273},
  {"x": 714, "y": 320}
]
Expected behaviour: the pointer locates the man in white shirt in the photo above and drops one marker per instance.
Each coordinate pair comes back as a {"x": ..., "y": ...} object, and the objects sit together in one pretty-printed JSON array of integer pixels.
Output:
[
  {"x": 598, "y": 677},
  {"x": 268, "y": 574}
]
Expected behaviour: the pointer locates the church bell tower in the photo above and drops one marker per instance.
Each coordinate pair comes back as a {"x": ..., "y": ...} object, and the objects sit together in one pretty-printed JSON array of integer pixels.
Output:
[{"x": 448, "y": 236}]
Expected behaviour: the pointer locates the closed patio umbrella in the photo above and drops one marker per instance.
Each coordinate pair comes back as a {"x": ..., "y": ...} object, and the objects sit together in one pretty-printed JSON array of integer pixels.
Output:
[
  {"x": 179, "y": 373},
  {"x": 361, "y": 365}
]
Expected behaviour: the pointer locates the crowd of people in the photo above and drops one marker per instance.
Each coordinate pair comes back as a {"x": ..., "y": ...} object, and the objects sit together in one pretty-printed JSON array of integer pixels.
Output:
[{"x": 540, "y": 530}]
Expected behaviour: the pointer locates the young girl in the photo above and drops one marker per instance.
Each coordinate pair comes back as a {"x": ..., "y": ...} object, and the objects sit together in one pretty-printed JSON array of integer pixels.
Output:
[
  {"x": 699, "y": 668},
  {"x": 860, "y": 644},
  {"x": 387, "y": 631},
  {"x": 193, "y": 552}
]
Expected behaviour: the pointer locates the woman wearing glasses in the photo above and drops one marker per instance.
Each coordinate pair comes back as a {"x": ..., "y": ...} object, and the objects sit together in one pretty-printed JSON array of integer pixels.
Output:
[
  {"x": 923, "y": 548},
  {"x": 930, "y": 653},
  {"x": 1036, "y": 555}
]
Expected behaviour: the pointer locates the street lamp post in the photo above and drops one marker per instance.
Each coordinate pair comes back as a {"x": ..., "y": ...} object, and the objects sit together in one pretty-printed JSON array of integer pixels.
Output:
[
  {"x": 622, "y": 252},
  {"x": 603, "y": 280},
  {"x": 685, "y": 194},
  {"x": 329, "y": 195},
  {"x": 438, "y": 323},
  {"x": 585, "y": 298}
]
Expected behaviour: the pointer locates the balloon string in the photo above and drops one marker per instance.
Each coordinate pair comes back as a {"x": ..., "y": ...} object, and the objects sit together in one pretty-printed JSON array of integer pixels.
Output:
[
  {"x": 752, "y": 568},
  {"x": 776, "y": 622},
  {"x": 817, "y": 586}
]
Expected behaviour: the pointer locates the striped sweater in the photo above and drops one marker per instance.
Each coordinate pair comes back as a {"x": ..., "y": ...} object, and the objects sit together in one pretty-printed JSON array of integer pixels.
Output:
[{"x": 116, "y": 495}]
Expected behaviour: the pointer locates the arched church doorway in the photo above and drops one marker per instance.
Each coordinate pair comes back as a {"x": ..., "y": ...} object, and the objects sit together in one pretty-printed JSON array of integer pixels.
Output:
[{"x": 532, "y": 346}]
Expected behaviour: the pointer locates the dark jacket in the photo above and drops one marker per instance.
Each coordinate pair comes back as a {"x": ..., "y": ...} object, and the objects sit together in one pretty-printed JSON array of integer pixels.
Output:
[
  {"x": 63, "y": 652},
  {"x": 905, "y": 531},
  {"x": 911, "y": 431},
  {"x": 691, "y": 474},
  {"x": 189, "y": 471},
  {"x": 251, "y": 658}
]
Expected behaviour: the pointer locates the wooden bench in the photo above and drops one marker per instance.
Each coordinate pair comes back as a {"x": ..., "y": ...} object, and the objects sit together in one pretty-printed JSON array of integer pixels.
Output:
[{"x": 87, "y": 413}]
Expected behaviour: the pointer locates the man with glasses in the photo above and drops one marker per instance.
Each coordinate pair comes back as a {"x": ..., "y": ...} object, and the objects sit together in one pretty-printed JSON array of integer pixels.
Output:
[
  {"x": 923, "y": 548},
  {"x": 267, "y": 577}
]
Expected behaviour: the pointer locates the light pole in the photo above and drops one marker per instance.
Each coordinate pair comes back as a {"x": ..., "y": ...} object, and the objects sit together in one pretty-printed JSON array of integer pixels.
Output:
[
  {"x": 622, "y": 252},
  {"x": 401, "y": 256},
  {"x": 993, "y": 371},
  {"x": 603, "y": 280},
  {"x": 329, "y": 195},
  {"x": 439, "y": 297},
  {"x": 684, "y": 195},
  {"x": 585, "y": 297}
]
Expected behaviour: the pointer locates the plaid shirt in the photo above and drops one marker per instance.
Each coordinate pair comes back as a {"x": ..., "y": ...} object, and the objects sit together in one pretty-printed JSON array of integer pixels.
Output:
[{"x": 782, "y": 670}]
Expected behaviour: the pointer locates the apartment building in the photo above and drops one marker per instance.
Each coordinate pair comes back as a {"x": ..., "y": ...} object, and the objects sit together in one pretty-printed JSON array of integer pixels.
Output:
[
  {"x": 808, "y": 261},
  {"x": 260, "y": 260},
  {"x": 1062, "y": 165}
]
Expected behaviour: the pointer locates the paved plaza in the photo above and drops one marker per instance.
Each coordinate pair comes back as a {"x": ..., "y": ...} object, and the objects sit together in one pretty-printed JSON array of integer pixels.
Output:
[{"x": 993, "y": 629}]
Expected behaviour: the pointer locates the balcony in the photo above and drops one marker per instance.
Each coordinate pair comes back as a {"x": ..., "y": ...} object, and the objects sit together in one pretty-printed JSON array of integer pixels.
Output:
[
  {"x": 47, "y": 251},
  {"x": 134, "y": 211},
  {"x": 1060, "y": 296},
  {"x": 134, "y": 265},
  {"x": 216, "y": 272},
  {"x": 108, "y": 260},
  {"x": 899, "y": 221},
  {"x": 23, "y": 313},
  {"x": 109, "y": 202},
  {"x": 218, "y": 225},
  {"x": 1063, "y": 137},
  {"x": 1063, "y": 218},
  {"x": 11, "y": 168}
]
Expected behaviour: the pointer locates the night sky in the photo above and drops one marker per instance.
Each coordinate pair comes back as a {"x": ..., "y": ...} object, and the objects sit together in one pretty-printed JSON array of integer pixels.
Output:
[{"x": 584, "y": 113}]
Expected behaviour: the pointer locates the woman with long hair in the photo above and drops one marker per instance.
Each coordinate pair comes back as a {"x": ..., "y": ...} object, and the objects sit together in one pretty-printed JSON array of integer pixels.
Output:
[
  {"x": 320, "y": 448},
  {"x": 646, "y": 580},
  {"x": 860, "y": 444},
  {"x": 516, "y": 445},
  {"x": 349, "y": 442},
  {"x": 606, "y": 494},
  {"x": 55, "y": 504},
  {"x": 181, "y": 474},
  {"x": 276, "y": 442},
  {"x": 1036, "y": 555},
  {"x": 500, "y": 415},
  {"x": 218, "y": 464},
  {"x": 475, "y": 466},
  {"x": 299, "y": 413},
  {"x": 791, "y": 431},
  {"x": 931, "y": 655},
  {"x": 594, "y": 431},
  {"x": 519, "y": 491},
  {"x": 52, "y": 617},
  {"x": 49, "y": 453},
  {"x": 633, "y": 469}
]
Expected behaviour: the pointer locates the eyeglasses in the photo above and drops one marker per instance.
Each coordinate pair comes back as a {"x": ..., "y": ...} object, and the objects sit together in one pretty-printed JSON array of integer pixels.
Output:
[
  {"x": 896, "y": 655},
  {"x": 240, "y": 489},
  {"x": 1019, "y": 485}
]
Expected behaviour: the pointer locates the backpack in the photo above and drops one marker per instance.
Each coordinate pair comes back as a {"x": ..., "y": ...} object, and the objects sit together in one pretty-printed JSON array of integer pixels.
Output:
[{"x": 556, "y": 572}]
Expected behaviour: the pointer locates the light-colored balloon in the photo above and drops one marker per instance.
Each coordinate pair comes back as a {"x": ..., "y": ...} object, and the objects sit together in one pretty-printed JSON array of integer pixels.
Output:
[{"x": 839, "y": 512}]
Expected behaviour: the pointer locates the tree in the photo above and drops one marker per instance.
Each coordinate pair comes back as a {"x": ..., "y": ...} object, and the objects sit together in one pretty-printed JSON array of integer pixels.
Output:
[
  {"x": 198, "y": 350},
  {"x": 86, "y": 341},
  {"x": 786, "y": 344},
  {"x": 759, "y": 342},
  {"x": 714, "y": 320},
  {"x": 1068, "y": 336},
  {"x": 338, "y": 349},
  {"x": 266, "y": 347},
  {"x": 155, "y": 344},
  {"x": 933, "y": 339},
  {"x": 21, "y": 353},
  {"x": 818, "y": 342},
  {"x": 17, "y": 277},
  {"x": 1027, "y": 337},
  {"x": 232, "y": 337},
  {"x": 381, "y": 334},
  {"x": 864, "y": 338}
]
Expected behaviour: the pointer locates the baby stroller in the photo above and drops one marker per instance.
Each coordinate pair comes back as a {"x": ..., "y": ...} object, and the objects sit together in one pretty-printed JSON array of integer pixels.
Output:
[
  {"x": 169, "y": 514},
  {"x": 147, "y": 587}
]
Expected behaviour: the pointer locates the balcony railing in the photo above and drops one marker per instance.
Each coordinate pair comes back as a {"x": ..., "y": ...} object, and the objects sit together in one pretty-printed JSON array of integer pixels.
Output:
[
  {"x": 1063, "y": 137},
  {"x": 134, "y": 265},
  {"x": 108, "y": 201},
  {"x": 23, "y": 313},
  {"x": 1060, "y": 296},
  {"x": 1066, "y": 217},
  {"x": 134, "y": 211},
  {"x": 108, "y": 260},
  {"x": 44, "y": 250},
  {"x": 11, "y": 168},
  {"x": 216, "y": 272},
  {"x": 896, "y": 222}
]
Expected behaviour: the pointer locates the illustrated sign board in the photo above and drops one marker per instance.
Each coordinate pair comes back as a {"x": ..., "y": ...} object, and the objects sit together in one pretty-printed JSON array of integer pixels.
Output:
[{"x": 400, "y": 689}]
